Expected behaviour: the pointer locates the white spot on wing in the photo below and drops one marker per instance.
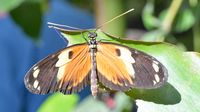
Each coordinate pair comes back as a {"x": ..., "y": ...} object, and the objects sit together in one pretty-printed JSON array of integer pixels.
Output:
[
  {"x": 128, "y": 60},
  {"x": 60, "y": 73},
  {"x": 38, "y": 88},
  {"x": 155, "y": 67},
  {"x": 136, "y": 52},
  {"x": 35, "y": 73},
  {"x": 154, "y": 82},
  {"x": 53, "y": 56},
  {"x": 27, "y": 80},
  {"x": 155, "y": 62},
  {"x": 130, "y": 69},
  {"x": 157, "y": 77},
  {"x": 126, "y": 55},
  {"x": 35, "y": 68},
  {"x": 35, "y": 84},
  {"x": 63, "y": 58}
]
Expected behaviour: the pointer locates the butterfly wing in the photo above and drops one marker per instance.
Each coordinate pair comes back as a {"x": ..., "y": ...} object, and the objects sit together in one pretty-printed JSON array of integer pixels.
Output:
[
  {"x": 122, "y": 68},
  {"x": 62, "y": 71}
]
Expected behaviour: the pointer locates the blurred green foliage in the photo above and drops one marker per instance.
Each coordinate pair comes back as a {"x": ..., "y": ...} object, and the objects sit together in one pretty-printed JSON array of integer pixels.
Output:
[
  {"x": 172, "y": 21},
  {"x": 7, "y": 5},
  {"x": 29, "y": 16},
  {"x": 59, "y": 103}
]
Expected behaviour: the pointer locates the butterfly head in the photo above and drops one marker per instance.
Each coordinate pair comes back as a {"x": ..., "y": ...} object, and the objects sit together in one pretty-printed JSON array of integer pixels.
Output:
[{"x": 92, "y": 35}]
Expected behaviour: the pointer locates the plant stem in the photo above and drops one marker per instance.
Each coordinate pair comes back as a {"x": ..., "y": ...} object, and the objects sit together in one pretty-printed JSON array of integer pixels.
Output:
[
  {"x": 105, "y": 11},
  {"x": 171, "y": 14}
]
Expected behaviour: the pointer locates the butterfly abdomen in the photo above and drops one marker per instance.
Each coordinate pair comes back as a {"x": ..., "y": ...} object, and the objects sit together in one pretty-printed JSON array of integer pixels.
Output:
[
  {"x": 93, "y": 82},
  {"x": 93, "y": 76}
]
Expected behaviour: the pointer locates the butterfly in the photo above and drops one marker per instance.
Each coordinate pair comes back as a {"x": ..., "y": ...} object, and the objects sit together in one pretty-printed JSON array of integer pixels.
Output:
[{"x": 115, "y": 66}]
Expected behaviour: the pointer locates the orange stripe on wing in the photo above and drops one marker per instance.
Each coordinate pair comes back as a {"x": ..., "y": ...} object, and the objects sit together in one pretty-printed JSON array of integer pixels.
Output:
[
  {"x": 112, "y": 68},
  {"x": 75, "y": 74}
]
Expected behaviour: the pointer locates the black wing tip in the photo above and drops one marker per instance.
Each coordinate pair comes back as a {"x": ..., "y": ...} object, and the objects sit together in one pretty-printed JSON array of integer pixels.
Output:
[
  {"x": 165, "y": 78},
  {"x": 29, "y": 87}
]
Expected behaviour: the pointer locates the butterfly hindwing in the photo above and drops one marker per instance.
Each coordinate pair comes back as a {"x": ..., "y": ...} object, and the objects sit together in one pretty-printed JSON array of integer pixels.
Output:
[
  {"x": 122, "y": 68},
  {"x": 62, "y": 71}
]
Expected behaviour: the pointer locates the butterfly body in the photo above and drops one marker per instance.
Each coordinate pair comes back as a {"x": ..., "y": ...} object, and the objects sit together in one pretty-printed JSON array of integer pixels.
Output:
[
  {"x": 115, "y": 66},
  {"x": 93, "y": 76}
]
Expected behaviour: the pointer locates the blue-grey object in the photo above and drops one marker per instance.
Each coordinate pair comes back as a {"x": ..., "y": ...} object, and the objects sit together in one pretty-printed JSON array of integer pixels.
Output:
[{"x": 18, "y": 53}]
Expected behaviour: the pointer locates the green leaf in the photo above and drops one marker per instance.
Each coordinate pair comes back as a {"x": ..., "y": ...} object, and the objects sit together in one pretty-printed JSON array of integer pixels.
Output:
[
  {"x": 59, "y": 103},
  {"x": 155, "y": 35},
  {"x": 29, "y": 17},
  {"x": 166, "y": 94},
  {"x": 182, "y": 90},
  {"x": 194, "y": 57},
  {"x": 7, "y": 5}
]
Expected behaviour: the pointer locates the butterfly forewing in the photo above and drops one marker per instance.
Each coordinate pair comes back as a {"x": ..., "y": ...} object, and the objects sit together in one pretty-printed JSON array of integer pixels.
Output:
[
  {"x": 122, "y": 68},
  {"x": 62, "y": 71}
]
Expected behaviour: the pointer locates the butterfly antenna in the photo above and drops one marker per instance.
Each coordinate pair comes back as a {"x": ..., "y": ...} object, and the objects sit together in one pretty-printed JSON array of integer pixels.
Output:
[
  {"x": 59, "y": 27},
  {"x": 60, "y": 35},
  {"x": 54, "y": 25},
  {"x": 113, "y": 19}
]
